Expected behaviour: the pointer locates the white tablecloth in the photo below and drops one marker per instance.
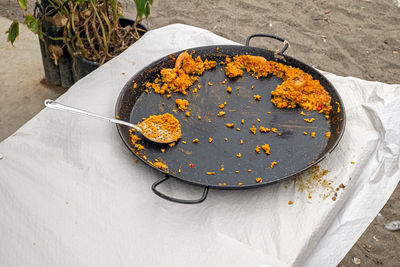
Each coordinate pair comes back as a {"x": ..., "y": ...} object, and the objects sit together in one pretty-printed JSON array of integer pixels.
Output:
[{"x": 71, "y": 193}]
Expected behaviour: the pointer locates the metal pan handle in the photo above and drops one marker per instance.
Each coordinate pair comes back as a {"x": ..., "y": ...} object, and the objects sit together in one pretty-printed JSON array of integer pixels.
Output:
[
  {"x": 285, "y": 43},
  {"x": 177, "y": 200}
]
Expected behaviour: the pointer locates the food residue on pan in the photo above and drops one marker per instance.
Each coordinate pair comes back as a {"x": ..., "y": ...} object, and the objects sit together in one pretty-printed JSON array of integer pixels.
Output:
[
  {"x": 253, "y": 129},
  {"x": 264, "y": 129},
  {"x": 139, "y": 147},
  {"x": 160, "y": 165},
  {"x": 134, "y": 137},
  {"x": 266, "y": 149},
  {"x": 185, "y": 72},
  {"x": 172, "y": 144},
  {"x": 297, "y": 89},
  {"x": 182, "y": 104},
  {"x": 257, "y": 97},
  {"x": 338, "y": 107},
  {"x": 328, "y": 135}
]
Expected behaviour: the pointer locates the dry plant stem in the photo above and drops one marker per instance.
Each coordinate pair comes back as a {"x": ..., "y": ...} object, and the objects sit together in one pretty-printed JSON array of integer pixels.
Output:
[
  {"x": 96, "y": 33},
  {"x": 60, "y": 6},
  {"x": 90, "y": 41},
  {"x": 53, "y": 38},
  {"x": 77, "y": 33},
  {"x": 114, "y": 11},
  {"x": 101, "y": 26},
  {"x": 106, "y": 8},
  {"x": 136, "y": 33},
  {"x": 93, "y": 30},
  {"x": 110, "y": 28},
  {"x": 67, "y": 32}
]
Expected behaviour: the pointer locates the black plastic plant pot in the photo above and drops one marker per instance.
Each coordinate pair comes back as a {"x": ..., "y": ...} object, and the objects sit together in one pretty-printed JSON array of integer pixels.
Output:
[
  {"x": 57, "y": 72},
  {"x": 82, "y": 66},
  {"x": 66, "y": 70}
]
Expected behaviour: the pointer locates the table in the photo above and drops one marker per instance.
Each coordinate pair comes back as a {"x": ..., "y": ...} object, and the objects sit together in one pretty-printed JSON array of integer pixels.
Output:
[{"x": 71, "y": 193}]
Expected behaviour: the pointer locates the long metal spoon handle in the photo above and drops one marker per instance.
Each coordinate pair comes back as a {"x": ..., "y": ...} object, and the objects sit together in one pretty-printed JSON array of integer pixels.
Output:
[{"x": 55, "y": 105}]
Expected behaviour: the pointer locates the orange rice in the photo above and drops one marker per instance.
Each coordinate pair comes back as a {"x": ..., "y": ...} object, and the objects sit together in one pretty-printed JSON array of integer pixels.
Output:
[
  {"x": 186, "y": 71},
  {"x": 298, "y": 88}
]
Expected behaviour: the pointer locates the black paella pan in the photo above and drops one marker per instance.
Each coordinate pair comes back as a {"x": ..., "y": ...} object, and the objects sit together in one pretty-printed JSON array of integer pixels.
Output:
[{"x": 196, "y": 163}]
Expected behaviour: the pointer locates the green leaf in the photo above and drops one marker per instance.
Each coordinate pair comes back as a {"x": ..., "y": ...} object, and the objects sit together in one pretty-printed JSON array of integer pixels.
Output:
[
  {"x": 22, "y": 4},
  {"x": 13, "y": 32},
  {"x": 28, "y": 19},
  {"x": 147, "y": 10},
  {"x": 143, "y": 8},
  {"x": 140, "y": 4},
  {"x": 33, "y": 24}
]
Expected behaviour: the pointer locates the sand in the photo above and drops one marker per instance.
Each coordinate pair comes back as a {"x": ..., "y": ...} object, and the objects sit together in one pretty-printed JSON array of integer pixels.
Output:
[{"x": 349, "y": 38}]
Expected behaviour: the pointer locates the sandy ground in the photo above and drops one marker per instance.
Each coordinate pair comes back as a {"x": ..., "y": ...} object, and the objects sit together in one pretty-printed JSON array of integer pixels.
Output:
[
  {"x": 21, "y": 98},
  {"x": 349, "y": 38}
]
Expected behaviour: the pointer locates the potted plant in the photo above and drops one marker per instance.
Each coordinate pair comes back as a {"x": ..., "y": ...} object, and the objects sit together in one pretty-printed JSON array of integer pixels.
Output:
[{"x": 76, "y": 36}]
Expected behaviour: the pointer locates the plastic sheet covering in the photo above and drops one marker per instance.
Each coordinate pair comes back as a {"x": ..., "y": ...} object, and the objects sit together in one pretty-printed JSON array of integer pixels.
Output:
[{"x": 71, "y": 193}]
